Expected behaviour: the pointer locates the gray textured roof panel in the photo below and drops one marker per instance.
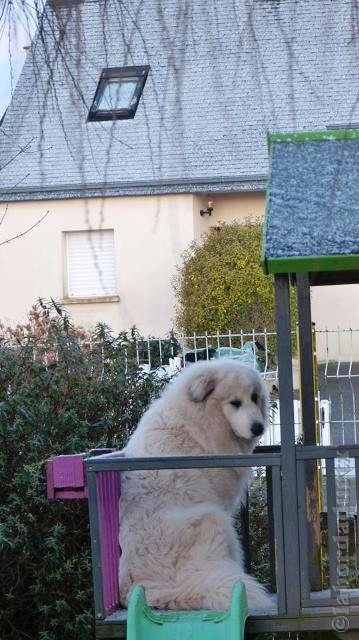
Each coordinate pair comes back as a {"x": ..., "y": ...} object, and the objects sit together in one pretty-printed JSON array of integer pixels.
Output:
[
  {"x": 313, "y": 198},
  {"x": 221, "y": 75}
]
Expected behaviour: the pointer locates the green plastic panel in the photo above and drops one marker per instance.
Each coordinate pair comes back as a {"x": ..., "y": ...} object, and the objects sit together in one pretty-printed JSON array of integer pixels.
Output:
[
  {"x": 310, "y": 136},
  {"x": 144, "y": 623},
  {"x": 311, "y": 264}
]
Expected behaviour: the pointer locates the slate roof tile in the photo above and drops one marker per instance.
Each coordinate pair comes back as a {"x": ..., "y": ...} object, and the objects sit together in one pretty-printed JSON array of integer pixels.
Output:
[{"x": 221, "y": 76}]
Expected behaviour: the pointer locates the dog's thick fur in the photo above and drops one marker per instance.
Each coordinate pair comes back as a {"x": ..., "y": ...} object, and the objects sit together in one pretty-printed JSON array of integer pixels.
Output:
[{"x": 177, "y": 534}]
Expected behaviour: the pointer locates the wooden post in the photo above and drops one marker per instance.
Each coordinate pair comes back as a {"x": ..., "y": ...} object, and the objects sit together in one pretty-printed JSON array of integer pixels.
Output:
[
  {"x": 288, "y": 453},
  {"x": 310, "y": 427}
]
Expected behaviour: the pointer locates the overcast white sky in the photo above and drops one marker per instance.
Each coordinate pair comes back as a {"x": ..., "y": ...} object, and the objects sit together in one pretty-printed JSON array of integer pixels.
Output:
[{"x": 16, "y": 29}]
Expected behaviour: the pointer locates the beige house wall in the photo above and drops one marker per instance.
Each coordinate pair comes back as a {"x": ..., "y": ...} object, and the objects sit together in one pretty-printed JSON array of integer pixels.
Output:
[
  {"x": 226, "y": 208},
  {"x": 150, "y": 235}
]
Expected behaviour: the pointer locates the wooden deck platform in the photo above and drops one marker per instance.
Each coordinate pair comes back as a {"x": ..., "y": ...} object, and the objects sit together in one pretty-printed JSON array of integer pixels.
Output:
[{"x": 312, "y": 618}]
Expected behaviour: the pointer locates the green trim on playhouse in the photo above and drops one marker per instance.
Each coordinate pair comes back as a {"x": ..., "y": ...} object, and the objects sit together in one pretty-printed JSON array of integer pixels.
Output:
[
  {"x": 314, "y": 136},
  {"x": 311, "y": 264}
]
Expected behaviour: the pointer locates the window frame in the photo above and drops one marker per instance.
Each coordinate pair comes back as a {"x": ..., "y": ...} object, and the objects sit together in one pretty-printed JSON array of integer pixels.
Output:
[
  {"x": 139, "y": 72},
  {"x": 68, "y": 297}
]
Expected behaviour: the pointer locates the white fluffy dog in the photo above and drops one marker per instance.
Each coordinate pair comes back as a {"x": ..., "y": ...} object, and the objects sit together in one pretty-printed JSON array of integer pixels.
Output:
[{"x": 177, "y": 533}]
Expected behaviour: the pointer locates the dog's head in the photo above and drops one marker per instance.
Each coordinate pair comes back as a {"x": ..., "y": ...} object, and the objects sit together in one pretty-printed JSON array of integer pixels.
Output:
[{"x": 234, "y": 389}]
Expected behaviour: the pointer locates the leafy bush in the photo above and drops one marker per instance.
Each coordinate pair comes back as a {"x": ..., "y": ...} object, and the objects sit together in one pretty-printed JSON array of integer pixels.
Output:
[
  {"x": 56, "y": 397},
  {"x": 221, "y": 285}
]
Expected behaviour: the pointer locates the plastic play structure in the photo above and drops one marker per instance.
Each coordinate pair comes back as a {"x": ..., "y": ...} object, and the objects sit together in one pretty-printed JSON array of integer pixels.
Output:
[
  {"x": 144, "y": 623},
  {"x": 311, "y": 238}
]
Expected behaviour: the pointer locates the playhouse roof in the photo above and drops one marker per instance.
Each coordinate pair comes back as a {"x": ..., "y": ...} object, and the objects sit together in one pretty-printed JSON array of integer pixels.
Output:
[{"x": 312, "y": 216}]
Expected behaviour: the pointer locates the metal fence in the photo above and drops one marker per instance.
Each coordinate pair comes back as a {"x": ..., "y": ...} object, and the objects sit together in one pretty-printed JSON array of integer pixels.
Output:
[
  {"x": 337, "y": 355},
  {"x": 338, "y": 385}
]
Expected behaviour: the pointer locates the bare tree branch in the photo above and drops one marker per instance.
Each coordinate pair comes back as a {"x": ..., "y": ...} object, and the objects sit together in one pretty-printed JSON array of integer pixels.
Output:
[
  {"x": 23, "y": 233},
  {"x": 21, "y": 150},
  {"x": 4, "y": 214}
]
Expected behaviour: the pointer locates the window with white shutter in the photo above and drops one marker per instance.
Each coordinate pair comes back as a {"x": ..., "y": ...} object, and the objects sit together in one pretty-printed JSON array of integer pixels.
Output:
[{"x": 90, "y": 264}]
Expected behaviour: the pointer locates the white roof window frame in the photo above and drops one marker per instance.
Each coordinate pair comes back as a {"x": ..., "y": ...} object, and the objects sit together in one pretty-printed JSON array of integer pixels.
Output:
[{"x": 118, "y": 75}]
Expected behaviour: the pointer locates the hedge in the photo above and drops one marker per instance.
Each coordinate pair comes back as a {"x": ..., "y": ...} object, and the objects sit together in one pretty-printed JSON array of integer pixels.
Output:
[{"x": 56, "y": 396}]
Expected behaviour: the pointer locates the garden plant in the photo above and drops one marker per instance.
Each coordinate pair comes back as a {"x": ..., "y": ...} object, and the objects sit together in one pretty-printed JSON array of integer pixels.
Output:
[{"x": 62, "y": 390}]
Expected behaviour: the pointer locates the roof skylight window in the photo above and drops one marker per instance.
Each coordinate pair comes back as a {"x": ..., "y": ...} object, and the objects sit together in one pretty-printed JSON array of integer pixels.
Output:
[{"x": 118, "y": 93}]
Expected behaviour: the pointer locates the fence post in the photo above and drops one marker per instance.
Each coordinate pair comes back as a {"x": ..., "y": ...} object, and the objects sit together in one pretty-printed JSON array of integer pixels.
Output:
[
  {"x": 95, "y": 544},
  {"x": 310, "y": 427},
  {"x": 288, "y": 457}
]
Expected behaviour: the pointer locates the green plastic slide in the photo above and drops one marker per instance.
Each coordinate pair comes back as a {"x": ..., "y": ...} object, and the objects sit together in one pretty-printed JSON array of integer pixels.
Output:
[{"x": 144, "y": 623}]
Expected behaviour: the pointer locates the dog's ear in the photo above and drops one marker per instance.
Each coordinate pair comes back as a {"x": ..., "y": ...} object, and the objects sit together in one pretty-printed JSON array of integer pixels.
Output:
[{"x": 201, "y": 387}]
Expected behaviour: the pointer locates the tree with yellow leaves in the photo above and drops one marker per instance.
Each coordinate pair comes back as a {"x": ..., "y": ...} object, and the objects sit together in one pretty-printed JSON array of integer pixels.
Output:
[{"x": 220, "y": 284}]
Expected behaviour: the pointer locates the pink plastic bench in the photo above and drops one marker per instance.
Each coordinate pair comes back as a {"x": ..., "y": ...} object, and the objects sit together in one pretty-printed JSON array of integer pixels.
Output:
[{"x": 66, "y": 480}]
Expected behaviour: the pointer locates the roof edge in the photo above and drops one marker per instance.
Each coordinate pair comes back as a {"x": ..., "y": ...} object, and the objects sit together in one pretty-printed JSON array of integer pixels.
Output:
[{"x": 135, "y": 188}]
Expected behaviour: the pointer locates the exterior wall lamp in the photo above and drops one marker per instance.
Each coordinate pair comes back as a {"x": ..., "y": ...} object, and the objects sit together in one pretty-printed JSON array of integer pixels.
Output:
[{"x": 208, "y": 210}]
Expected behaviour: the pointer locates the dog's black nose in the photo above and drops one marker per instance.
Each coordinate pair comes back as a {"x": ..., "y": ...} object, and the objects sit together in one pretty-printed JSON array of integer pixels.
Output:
[{"x": 257, "y": 428}]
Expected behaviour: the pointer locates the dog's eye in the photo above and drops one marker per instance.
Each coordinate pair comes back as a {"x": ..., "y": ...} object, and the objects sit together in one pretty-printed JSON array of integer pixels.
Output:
[
  {"x": 254, "y": 397},
  {"x": 236, "y": 403}
]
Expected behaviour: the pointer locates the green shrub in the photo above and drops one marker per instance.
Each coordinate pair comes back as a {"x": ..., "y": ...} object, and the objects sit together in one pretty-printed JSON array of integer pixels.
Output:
[
  {"x": 220, "y": 284},
  {"x": 56, "y": 397}
]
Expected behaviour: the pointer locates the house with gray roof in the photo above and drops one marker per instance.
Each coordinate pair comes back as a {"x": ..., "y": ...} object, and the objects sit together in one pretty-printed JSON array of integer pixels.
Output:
[{"x": 135, "y": 126}]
